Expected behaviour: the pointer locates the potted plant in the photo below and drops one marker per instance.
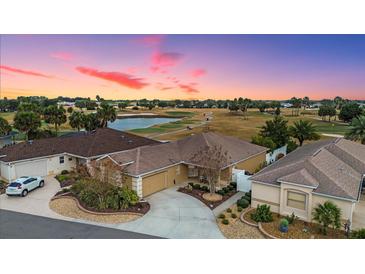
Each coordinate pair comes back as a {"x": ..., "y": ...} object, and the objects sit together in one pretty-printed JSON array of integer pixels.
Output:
[{"x": 284, "y": 225}]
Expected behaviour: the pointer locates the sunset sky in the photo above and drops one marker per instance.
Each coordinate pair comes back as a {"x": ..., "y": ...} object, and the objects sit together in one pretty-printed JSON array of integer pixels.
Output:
[{"x": 183, "y": 66}]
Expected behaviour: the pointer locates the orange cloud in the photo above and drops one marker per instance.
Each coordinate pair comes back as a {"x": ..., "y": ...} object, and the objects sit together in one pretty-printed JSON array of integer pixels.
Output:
[
  {"x": 64, "y": 56},
  {"x": 122, "y": 79},
  {"x": 26, "y": 72},
  {"x": 198, "y": 73},
  {"x": 190, "y": 88},
  {"x": 166, "y": 59}
]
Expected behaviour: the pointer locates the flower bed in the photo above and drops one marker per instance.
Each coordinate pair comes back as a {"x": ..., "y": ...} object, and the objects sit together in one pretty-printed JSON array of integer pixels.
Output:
[
  {"x": 300, "y": 230},
  {"x": 3, "y": 186},
  {"x": 102, "y": 197},
  {"x": 235, "y": 228},
  {"x": 198, "y": 193},
  {"x": 67, "y": 178}
]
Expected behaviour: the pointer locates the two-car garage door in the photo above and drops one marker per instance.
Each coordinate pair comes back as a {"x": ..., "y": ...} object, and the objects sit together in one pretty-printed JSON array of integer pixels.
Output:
[
  {"x": 154, "y": 183},
  {"x": 33, "y": 168}
]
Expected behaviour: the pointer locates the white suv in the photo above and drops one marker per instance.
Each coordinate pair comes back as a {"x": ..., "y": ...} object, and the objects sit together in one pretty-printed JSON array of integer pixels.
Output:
[{"x": 23, "y": 185}]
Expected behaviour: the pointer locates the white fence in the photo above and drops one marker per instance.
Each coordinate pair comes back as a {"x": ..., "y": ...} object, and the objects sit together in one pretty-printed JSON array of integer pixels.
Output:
[
  {"x": 242, "y": 180},
  {"x": 277, "y": 153}
]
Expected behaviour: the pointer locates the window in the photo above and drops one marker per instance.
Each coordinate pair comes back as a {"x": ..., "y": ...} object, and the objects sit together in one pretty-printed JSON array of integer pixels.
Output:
[
  {"x": 296, "y": 200},
  {"x": 70, "y": 159},
  {"x": 193, "y": 172},
  {"x": 62, "y": 159}
]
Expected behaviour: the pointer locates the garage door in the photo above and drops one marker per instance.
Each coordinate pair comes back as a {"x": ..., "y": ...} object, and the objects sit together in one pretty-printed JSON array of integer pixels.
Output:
[
  {"x": 153, "y": 183},
  {"x": 32, "y": 168}
]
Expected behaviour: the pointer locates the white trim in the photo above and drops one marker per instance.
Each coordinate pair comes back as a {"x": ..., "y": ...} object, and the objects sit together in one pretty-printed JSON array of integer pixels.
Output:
[
  {"x": 334, "y": 197},
  {"x": 305, "y": 186},
  {"x": 267, "y": 184},
  {"x": 156, "y": 170}
]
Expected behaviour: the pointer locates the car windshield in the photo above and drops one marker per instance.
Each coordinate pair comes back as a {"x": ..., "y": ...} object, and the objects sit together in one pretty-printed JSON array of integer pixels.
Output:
[{"x": 14, "y": 184}]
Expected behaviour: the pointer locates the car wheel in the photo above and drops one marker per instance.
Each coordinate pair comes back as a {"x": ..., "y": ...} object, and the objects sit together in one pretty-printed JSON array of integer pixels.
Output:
[
  {"x": 41, "y": 183},
  {"x": 24, "y": 193}
]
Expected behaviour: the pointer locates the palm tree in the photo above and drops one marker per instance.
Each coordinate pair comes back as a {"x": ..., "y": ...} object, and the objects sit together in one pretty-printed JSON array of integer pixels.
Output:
[
  {"x": 77, "y": 120},
  {"x": 27, "y": 121},
  {"x": 303, "y": 130},
  {"x": 55, "y": 115},
  {"x": 357, "y": 130},
  {"x": 327, "y": 215},
  {"x": 106, "y": 113},
  {"x": 277, "y": 130},
  {"x": 5, "y": 128},
  {"x": 91, "y": 121}
]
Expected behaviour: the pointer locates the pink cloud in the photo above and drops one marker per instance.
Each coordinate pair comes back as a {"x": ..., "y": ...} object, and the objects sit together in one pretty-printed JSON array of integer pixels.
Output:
[
  {"x": 26, "y": 72},
  {"x": 190, "y": 88},
  {"x": 166, "y": 59},
  {"x": 64, "y": 56},
  {"x": 122, "y": 79},
  {"x": 151, "y": 40},
  {"x": 198, "y": 73}
]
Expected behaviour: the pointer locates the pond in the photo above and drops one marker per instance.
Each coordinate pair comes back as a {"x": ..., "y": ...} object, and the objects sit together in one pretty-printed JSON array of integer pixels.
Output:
[{"x": 134, "y": 123}]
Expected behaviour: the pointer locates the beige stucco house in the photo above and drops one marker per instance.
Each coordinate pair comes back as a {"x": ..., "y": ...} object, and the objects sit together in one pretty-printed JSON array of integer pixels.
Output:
[
  {"x": 150, "y": 169},
  {"x": 326, "y": 170}
]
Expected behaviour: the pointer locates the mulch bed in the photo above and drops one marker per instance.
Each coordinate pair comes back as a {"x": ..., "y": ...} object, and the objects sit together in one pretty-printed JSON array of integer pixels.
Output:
[
  {"x": 72, "y": 178},
  {"x": 196, "y": 193},
  {"x": 298, "y": 230},
  {"x": 140, "y": 207}
]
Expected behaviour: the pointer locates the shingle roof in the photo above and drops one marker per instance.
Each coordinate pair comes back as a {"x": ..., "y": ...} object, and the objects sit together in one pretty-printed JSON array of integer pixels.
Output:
[
  {"x": 96, "y": 143},
  {"x": 152, "y": 158},
  {"x": 332, "y": 167}
]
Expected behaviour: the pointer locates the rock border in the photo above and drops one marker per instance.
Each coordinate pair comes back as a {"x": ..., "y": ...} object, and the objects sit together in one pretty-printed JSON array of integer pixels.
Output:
[
  {"x": 258, "y": 225},
  {"x": 63, "y": 196}
]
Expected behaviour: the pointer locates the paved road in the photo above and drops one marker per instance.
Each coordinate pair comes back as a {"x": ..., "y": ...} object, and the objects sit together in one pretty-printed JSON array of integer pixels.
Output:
[{"x": 14, "y": 225}]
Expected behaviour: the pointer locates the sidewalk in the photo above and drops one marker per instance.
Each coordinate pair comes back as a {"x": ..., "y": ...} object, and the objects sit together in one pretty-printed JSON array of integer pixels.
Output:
[{"x": 227, "y": 203}]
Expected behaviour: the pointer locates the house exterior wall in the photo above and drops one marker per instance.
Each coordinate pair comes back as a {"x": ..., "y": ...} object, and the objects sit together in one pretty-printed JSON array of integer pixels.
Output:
[
  {"x": 265, "y": 194},
  {"x": 347, "y": 207},
  {"x": 276, "y": 197},
  {"x": 55, "y": 167},
  {"x": 252, "y": 163}
]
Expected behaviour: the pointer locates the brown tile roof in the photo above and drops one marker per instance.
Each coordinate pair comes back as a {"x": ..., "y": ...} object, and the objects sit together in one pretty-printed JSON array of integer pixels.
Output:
[
  {"x": 332, "y": 167},
  {"x": 96, "y": 143},
  {"x": 152, "y": 158}
]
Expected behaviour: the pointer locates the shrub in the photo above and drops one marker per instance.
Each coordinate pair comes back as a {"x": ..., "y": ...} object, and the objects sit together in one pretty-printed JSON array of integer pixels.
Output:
[
  {"x": 284, "y": 222},
  {"x": 358, "y": 234},
  {"x": 230, "y": 188},
  {"x": 234, "y": 216},
  {"x": 196, "y": 186},
  {"x": 191, "y": 184},
  {"x": 327, "y": 215},
  {"x": 291, "y": 218},
  {"x": 225, "y": 190},
  {"x": 222, "y": 216},
  {"x": 233, "y": 184},
  {"x": 248, "y": 195},
  {"x": 239, "y": 209},
  {"x": 243, "y": 203},
  {"x": 225, "y": 222},
  {"x": 262, "y": 214},
  {"x": 62, "y": 178},
  {"x": 63, "y": 172},
  {"x": 229, "y": 210},
  {"x": 205, "y": 188},
  {"x": 221, "y": 192}
]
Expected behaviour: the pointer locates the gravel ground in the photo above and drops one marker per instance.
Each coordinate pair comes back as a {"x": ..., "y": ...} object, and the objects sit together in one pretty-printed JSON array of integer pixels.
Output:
[
  {"x": 237, "y": 229},
  {"x": 68, "y": 207}
]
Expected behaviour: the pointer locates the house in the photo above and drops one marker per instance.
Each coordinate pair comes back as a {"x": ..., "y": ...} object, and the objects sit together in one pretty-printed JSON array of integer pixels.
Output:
[
  {"x": 52, "y": 155},
  {"x": 326, "y": 170},
  {"x": 149, "y": 169}
]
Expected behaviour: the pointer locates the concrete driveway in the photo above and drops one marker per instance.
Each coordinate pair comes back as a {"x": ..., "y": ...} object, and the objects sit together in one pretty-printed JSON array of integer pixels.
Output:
[
  {"x": 176, "y": 215},
  {"x": 36, "y": 202},
  {"x": 172, "y": 214},
  {"x": 358, "y": 218}
]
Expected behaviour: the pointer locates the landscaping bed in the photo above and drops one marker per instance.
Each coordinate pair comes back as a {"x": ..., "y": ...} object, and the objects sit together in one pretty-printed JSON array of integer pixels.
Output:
[
  {"x": 300, "y": 230},
  {"x": 198, "y": 190},
  {"x": 3, "y": 186},
  {"x": 69, "y": 208},
  {"x": 67, "y": 178},
  {"x": 234, "y": 228}
]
